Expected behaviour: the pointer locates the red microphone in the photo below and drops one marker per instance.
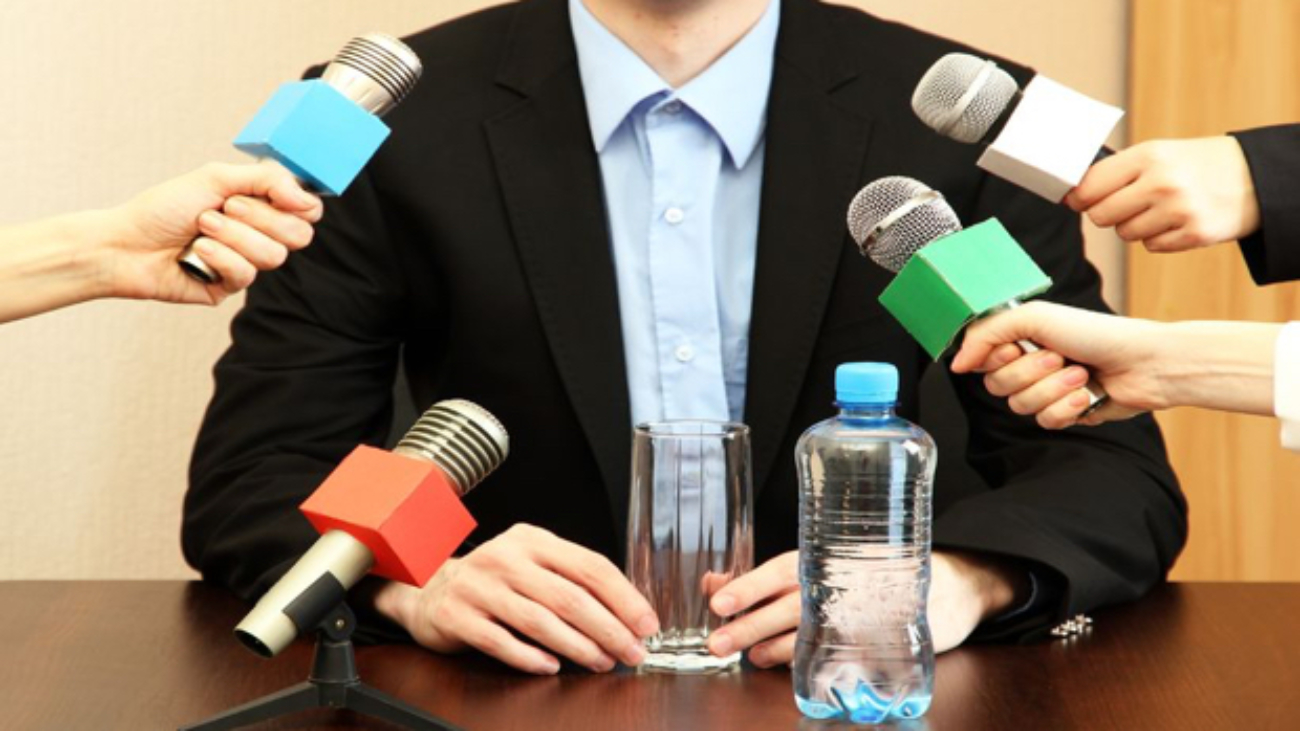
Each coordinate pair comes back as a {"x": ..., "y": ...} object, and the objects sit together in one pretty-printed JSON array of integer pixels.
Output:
[{"x": 394, "y": 514}]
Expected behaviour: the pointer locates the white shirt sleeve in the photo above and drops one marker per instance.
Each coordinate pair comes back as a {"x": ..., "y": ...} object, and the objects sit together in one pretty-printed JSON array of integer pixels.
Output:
[{"x": 1286, "y": 385}]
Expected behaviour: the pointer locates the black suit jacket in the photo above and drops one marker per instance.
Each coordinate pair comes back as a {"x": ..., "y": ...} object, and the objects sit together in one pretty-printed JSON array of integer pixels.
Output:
[
  {"x": 475, "y": 251},
  {"x": 1273, "y": 153}
]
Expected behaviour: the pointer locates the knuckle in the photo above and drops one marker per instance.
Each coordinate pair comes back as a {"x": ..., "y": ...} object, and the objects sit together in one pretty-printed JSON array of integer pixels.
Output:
[
  {"x": 993, "y": 383},
  {"x": 1018, "y": 406},
  {"x": 273, "y": 257},
  {"x": 531, "y": 620},
  {"x": 568, "y": 602},
  {"x": 1191, "y": 236},
  {"x": 1101, "y": 219},
  {"x": 303, "y": 234},
  {"x": 1156, "y": 151},
  {"x": 491, "y": 557},
  {"x": 593, "y": 569},
  {"x": 488, "y": 642},
  {"x": 527, "y": 532},
  {"x": 212, "y": 170}
]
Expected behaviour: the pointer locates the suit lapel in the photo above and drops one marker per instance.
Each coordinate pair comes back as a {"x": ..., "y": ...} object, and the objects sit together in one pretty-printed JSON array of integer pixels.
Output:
[
  {"x": 814, "y": 154},
  {"x": 550, "y": 178}
]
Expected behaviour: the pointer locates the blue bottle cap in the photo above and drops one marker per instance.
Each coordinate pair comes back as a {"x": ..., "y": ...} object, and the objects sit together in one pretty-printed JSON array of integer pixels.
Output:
[{"x": 866, "y": 383}]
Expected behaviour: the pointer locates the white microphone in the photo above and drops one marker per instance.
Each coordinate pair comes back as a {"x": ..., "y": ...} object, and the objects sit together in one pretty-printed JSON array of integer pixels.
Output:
[{"x": 1042, "y": 139}]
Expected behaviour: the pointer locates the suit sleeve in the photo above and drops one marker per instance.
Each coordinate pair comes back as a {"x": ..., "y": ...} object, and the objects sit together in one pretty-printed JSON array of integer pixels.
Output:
[
  {"x": 309, "y": 376},
  {"x": 1096, "y": 514},
  {"x": 1273, "y": 154}
]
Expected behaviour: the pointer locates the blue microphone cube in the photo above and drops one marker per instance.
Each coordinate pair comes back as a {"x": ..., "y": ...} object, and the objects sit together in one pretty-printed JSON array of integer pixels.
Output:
[{"x": 320, "y": 135}]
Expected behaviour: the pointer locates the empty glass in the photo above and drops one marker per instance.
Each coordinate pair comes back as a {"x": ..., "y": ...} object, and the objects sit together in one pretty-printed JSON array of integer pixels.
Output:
[{"x": 690, "y": 531}]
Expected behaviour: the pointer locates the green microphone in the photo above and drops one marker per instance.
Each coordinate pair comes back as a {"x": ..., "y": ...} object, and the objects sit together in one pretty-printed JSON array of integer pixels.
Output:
[{"x": 947, "y": 276}]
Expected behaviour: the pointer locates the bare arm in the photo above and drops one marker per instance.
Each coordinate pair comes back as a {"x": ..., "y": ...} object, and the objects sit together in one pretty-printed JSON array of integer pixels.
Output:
[
  {"x": 249, "y": 218},
  {"x": 1144, "y": 365}
]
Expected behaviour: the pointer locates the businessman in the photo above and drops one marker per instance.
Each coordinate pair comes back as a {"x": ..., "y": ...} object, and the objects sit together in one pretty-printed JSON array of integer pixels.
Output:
[{"x": 598, "y": 212}]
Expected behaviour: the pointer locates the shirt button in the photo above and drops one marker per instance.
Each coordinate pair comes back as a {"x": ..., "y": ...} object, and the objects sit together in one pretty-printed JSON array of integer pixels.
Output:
[
  {"x": 673, "y": 107},
  {"x": 685, "y": 353},
  {"x": 674, "y": 215}
]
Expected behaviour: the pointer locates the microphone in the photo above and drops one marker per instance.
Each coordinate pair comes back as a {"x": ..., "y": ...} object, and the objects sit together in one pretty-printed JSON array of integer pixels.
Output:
[
  {"x": 947, "y": 276},
  {"x": 1042, "y": 139},
  {"x": 394, "y": 514},
  {"x": 325, "y": 130}
]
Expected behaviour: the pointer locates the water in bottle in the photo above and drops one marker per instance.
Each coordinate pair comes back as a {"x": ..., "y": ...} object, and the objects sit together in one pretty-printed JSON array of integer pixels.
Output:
[{"x": 863, "y": 652}]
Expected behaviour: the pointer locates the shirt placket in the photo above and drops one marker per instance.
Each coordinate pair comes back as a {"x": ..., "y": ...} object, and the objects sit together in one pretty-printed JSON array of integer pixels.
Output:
[{"x": 685, "y": 158}]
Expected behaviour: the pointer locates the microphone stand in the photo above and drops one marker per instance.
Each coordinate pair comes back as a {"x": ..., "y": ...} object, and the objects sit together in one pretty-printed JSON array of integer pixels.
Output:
[{"x": 333, "y": 683}]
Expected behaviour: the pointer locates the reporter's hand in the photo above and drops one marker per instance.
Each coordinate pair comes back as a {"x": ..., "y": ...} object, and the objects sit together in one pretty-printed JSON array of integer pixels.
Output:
[
  {"x": 249, "y": 218},
  {"x": 1172, "y": 195},
  {"x": 1125, "y": 356},
  {"x": 570, "y": 601}
]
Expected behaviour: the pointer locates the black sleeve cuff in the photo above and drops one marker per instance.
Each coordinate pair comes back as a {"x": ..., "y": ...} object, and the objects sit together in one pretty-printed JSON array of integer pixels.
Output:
[
  {"x": 1273, "y": 154},
  {"x": 1034, "y": 618}
]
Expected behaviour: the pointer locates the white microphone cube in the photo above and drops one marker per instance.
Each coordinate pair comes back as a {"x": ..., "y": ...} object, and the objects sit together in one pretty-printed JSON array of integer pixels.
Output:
[{"x": 1051, "y": 139}]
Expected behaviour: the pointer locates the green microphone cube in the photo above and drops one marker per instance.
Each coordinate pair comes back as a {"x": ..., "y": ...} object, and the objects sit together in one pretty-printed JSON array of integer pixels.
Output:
[{"x": 959, "y": 278}]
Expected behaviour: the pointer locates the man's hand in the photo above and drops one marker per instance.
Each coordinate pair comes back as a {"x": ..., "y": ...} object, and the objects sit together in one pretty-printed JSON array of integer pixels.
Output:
[
  {"x": 1172, "y": 195},
  {"x": 965, "y": 589},
  {"x": 570, "y": 601},
  {"x": 771, "y": 592},
  {"x": 245, "y": 218}
]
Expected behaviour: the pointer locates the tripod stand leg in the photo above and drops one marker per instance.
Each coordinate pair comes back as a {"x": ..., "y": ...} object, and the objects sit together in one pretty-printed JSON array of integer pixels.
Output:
[
  {"x": 290, "y": 700},
  {"x": 377, "y": 704}
]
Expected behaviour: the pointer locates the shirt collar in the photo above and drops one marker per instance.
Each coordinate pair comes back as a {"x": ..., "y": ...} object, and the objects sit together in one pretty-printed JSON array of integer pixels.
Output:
[{"x": 730, "y": 95}]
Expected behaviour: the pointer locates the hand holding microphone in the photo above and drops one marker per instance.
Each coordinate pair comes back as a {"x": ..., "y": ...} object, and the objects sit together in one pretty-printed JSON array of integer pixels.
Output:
[
  {"x": 1126, "y": 355},
  {"x": 326, "y": 130},
  {"x": 129, "y": 251},
  {"x": 1145, "y": 365},
  {"x": 947, "y": 276},
  {"x": 1172, "y": 195}
]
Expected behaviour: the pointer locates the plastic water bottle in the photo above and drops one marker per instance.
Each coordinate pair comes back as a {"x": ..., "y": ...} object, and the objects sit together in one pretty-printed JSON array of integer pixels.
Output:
[{"x": 864, "y": 652}]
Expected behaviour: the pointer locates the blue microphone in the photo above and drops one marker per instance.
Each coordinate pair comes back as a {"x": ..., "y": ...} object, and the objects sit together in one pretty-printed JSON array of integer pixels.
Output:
[{"x": 325, "y": 130}]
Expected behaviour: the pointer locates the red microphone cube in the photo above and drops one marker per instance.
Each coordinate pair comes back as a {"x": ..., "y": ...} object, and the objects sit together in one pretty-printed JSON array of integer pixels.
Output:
[{"x": 406, "y": 511}]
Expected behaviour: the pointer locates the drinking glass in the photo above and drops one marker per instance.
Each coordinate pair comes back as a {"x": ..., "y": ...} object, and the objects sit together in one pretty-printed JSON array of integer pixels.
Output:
[{"x": 690, "y": 532}]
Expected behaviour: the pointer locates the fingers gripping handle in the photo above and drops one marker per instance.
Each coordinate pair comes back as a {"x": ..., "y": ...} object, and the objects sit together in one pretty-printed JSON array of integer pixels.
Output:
[
  {"x": 193, "y": 265},
  {"x": 1096, "y": 394}
]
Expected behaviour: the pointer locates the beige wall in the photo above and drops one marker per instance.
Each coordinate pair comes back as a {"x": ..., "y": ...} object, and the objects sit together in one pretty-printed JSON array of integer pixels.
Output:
[{"x": 99, "y": 404}]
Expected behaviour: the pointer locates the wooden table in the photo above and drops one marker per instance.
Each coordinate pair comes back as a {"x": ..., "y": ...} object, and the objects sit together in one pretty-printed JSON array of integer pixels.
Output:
[{"x": 157, "y": 655}]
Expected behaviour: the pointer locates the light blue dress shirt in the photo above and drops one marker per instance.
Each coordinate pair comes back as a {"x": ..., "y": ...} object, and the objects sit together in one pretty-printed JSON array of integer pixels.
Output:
[{"x": 682, "y": 172}]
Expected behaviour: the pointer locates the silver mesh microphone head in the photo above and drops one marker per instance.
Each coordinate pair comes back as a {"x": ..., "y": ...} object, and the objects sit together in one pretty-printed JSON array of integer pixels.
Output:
[
  {"x": 375, "y": 70},
  {"x": 893, "y": 217},
  {"x": 462, "y": 438},
  {"x": 962, "y": 96}
]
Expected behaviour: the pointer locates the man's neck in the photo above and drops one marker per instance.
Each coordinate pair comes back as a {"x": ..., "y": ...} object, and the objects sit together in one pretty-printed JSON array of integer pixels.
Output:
[{"x": 679, "y": 39}]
